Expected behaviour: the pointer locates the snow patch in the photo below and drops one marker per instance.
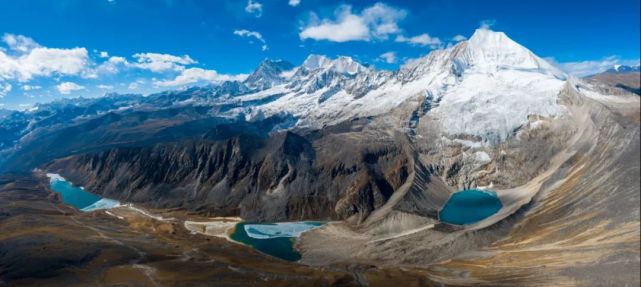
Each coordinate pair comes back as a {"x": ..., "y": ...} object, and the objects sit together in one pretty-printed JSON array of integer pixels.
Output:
[
  {"x": 482, "y": 157},
  {"x": 104, "y": 203},
  {"x": 53, "y": 177}
]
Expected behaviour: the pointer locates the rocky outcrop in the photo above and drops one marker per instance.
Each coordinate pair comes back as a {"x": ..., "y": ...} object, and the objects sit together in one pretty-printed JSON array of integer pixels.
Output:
[{"x": 276, "y": 178}]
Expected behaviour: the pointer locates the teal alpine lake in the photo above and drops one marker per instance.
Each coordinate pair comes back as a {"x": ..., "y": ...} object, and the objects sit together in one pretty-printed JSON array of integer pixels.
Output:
[
  {"x": 275, "y": 239},
  {"x": 78, "y": 197},
  {"x": 470, "y": 206}
]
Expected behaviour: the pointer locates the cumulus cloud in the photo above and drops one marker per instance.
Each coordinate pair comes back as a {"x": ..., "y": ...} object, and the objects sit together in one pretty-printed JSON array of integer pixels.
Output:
[
  {"x": 388, "y": 57},
  {"x": 68, "y": 87},
  {"x": 459, "y": 38},
  {"x": 420, "y": 40},
  {"x": 254, "y": 7},
  {"x": 22, "y": 60},
  {"x": 195, "y": 75},
  {"x": 19, "y": 43},
  {"x": 30, "y": 60},
  {"x": 112, "y": 65},
  {"x": 156, "y": 62},
  {"x": 293, "y": 3},
  {"x": 586, "y": 68},
  {"x": 252, "y": 34},
  {"x": 376, "y": 22},
  {"x": 5, "y": 88}
]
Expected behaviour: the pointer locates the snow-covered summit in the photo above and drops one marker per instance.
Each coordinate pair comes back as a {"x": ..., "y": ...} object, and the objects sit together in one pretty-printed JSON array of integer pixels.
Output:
[
  {"x": 485, "y": 87},
  {"x": 489, "y": 50},
  {"x": 314, "y": 62},
  {"x": 623, "y": 69},
  {"x": 341, "y": 65},
  {"x": 268, "y": 74}
]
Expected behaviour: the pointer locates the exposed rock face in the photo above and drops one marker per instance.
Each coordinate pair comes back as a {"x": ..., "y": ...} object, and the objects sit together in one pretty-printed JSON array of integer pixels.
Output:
[{"x": 274, "y": 178}]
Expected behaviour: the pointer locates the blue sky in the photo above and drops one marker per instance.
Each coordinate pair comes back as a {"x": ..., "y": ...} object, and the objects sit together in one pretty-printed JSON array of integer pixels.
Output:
[{"x": 69, "y": 48}]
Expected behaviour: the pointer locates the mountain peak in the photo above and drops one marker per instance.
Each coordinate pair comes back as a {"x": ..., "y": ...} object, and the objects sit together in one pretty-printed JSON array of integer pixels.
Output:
[
  {"x": 342, "y": 64},
  {"x": 268, "y": 74},
  {"x": 491, "y": 49},
  {"x": 346, "y": 65},
  {"x": 489, "y": 38},
  {"x": 623, "y": 69},
  {"x": 314, "y": 62},
  {"x": 278, "y": 63}
]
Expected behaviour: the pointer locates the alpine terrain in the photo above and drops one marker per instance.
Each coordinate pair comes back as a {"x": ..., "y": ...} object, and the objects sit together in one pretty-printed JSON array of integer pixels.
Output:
[{"x": 374, "y": 155}]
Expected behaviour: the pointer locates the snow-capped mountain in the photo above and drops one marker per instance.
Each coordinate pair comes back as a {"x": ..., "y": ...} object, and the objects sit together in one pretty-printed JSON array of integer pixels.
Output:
[
  {"x": 269, "y": 73},
  {"x": 487, "y": 87},
  {"x": 484, "y": 88},
  {"x": 623, "y": 69}
]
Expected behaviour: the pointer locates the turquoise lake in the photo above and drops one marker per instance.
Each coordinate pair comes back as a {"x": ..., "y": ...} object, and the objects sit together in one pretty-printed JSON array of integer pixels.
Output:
[
  {"x": 78, "y": 197},
  {"x": 470, "y": 206},
  {"x": 274, "y": 239}
]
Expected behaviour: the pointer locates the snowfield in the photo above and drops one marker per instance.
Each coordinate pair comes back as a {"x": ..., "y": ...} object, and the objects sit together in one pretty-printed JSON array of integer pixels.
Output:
[{"x": 485, "y": 87}]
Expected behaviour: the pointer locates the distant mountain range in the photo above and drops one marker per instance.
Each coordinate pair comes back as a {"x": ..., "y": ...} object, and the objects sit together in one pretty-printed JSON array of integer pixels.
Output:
[
  {"x": 623, "y": 77},
  {"x": 623, "y": 69}
]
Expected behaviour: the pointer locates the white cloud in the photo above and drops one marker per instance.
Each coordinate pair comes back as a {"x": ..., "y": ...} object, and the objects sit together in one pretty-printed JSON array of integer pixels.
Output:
[
  {"x": 23, "y": 60},
  {"x": 105, "y": 87},
  {"x": 113, "y": 65},
  {"x": 420, "y": 40},
  {"x": 293, "y": 3},
  {"x": 487, "y": 24},
  {"x": 252, "y": 34},
  {"x": 68, "y": 87},
  {"x": 389, "y": 57},
  {"x": 19, "y": 43},
  {"x": 586, "y": 68},
  {"x": 156, "y": 62},
  {"x": 254, "y": 8},
  {"x": 136, "y": 85},
  {"x": 459, "y": 38},
  {"x": 376, "y": 22},
  {"x": 194, "y": 75},
  {"x": 5, "y": 88},
  {"x": 30, "y": 87},
  {"x": 42, "y": 61}
]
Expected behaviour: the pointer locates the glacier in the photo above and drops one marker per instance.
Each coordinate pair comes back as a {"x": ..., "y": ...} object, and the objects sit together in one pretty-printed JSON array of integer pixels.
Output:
[{"x": 486, "y": 87}]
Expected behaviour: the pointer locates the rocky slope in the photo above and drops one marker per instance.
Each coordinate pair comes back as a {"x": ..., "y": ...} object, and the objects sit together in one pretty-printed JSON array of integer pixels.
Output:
[
  {"x": 284, "y": 176},
  {"x": 619, "y": 79}
]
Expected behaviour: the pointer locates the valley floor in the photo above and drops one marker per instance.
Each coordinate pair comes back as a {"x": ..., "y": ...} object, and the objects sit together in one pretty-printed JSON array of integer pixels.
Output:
[{"x": 45, "y": 243}]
